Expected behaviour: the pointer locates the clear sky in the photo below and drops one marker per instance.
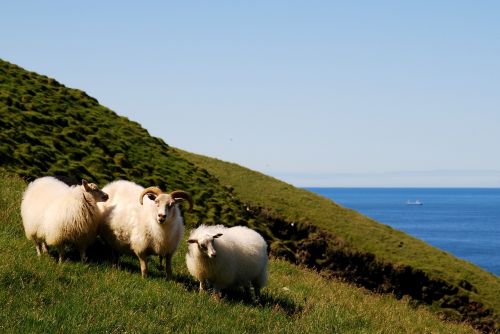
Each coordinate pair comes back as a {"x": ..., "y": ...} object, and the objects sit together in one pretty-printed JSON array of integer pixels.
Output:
[{"x": 316, "y": 93}]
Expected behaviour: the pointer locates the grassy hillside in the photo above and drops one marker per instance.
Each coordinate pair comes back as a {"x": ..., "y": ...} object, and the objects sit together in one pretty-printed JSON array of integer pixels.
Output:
[
  {"x": 382, "y": 250},
  {"x": 39, "y": 296},
  {"x": 49, "y": 129}
]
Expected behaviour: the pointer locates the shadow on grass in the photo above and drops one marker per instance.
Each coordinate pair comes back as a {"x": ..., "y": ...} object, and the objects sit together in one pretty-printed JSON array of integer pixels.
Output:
[
  {"x": 189, "y": 283},
  {"x": 278, "y": 303},
  {"x": 100, "y": 253},
  {"x": 238, "y": 295},
  {"x": 97, "y": 253}
]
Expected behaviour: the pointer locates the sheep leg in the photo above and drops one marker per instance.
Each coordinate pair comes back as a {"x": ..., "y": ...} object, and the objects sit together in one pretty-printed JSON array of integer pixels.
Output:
[
  {"x": 44, "y": 247},
  {"x": 60, "y": 249},
  {"x": 115, "y": 259},
  {"x": 83, "y": 255},
  {"x": 203, "y": 286},
  {"x": 41, "y": 247},
  {"x": 144, "y": 267},
  {"x": 168, "y": 266},
  {"x": 38, "y": 246}
]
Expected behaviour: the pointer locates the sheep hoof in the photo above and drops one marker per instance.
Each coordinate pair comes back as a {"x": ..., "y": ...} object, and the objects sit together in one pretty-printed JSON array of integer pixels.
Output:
[{"x": 217, "y": 294}]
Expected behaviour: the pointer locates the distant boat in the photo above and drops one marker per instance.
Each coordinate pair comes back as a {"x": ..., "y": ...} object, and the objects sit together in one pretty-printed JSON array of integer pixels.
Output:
[{"x": 417, "y": 202}]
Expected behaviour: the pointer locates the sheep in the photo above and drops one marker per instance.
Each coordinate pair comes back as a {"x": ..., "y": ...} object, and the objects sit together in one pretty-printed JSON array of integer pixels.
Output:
[
  {"x": 227, "y": 257},
  {"x": 150, "y": 226},
  {"x": 55, "y": 214}
]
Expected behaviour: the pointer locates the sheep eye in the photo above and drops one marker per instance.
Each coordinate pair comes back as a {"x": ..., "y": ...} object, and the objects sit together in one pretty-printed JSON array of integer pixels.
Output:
[{"x": 203, "y": 246}]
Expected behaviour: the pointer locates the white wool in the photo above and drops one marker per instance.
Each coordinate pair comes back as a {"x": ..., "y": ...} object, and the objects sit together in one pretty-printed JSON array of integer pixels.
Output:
[
  {"x": 241, "y": 258},
  {"x": 129, "y": 226},
  {"x": 36, "y": 199},
  {"x": 55, "y": 214}
]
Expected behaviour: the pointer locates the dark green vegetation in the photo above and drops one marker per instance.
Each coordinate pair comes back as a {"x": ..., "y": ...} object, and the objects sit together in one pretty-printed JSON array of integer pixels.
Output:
[{"x": 48, "y": 129}]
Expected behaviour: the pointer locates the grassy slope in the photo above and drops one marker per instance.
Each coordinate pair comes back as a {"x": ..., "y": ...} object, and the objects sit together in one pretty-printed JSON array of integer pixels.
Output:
[
  {"x": 365, "y": 234},
  {"x": 38, "y": 295},
  {"x": 49, "y": 129}
]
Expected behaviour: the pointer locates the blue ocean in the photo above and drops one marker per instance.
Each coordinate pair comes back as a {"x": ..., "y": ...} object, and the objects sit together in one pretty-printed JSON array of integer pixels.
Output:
[{"x": 464, "y": 222}]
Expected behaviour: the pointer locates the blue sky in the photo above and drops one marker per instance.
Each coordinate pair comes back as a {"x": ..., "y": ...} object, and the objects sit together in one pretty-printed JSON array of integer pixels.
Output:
[{"x": 316, "y": 93}]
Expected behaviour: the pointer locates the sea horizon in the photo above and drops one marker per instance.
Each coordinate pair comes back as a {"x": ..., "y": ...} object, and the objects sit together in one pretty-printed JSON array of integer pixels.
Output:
[{"x": 463, "y": 221}]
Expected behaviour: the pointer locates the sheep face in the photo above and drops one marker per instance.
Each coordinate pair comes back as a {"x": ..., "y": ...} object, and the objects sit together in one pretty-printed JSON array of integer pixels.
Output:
[
  {"x": 165, "y": 203},
  {"x": 93, "y": 190},
  {"x": 206, "y": 244}
]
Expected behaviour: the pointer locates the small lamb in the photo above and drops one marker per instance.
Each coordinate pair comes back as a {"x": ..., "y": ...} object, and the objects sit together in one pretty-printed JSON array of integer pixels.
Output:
[
  {"x": 227, "y": 257},
  {"x": 55, "y": 214}
]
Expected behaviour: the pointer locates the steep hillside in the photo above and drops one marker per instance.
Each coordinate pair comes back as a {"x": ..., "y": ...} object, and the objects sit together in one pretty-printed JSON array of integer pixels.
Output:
[{"x": 49, "y": 129}]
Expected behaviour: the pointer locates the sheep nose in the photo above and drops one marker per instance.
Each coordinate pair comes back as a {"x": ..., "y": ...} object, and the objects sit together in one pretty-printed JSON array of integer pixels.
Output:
[
  {"x": 161, "y": 217},
  {"x": 105, "y": 197}
]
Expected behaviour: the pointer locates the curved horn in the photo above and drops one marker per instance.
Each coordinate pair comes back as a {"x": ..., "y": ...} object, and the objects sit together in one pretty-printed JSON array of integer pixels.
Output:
[
  {"x": 177, "y": 194},
  {"x": 150, "y": 190}
]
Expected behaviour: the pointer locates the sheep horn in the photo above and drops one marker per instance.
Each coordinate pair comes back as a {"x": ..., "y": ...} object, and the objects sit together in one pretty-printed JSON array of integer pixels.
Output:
[
  {"x": 184, "y": 195},
  {"x": 151, "y": 190}
]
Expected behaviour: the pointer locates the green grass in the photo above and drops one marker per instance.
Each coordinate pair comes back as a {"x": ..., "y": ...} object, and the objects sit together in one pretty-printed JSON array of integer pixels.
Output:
[{"x": 39, "y": 296}]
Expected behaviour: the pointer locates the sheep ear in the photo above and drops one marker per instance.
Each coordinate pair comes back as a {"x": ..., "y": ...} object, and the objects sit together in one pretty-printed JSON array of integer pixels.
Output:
[
  {"x": 192, "y": 241},
  {"x": 217, "y": 235},
  {"x": 85, "y": 184}
]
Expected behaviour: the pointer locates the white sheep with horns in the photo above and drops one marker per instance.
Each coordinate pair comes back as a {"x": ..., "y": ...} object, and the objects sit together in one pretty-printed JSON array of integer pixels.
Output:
[
  {"x": 55, "y": 214},
  {"x": 221, "y": 257},
  {"x": 143, "y": 226}
]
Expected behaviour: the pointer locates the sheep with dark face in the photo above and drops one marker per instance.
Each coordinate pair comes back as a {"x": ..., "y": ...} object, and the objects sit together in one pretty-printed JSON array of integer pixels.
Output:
[
  {"x": 143, "y": 221},
  {"x": 55, "y": 214},
  {"x": 223, "y": 257}
]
